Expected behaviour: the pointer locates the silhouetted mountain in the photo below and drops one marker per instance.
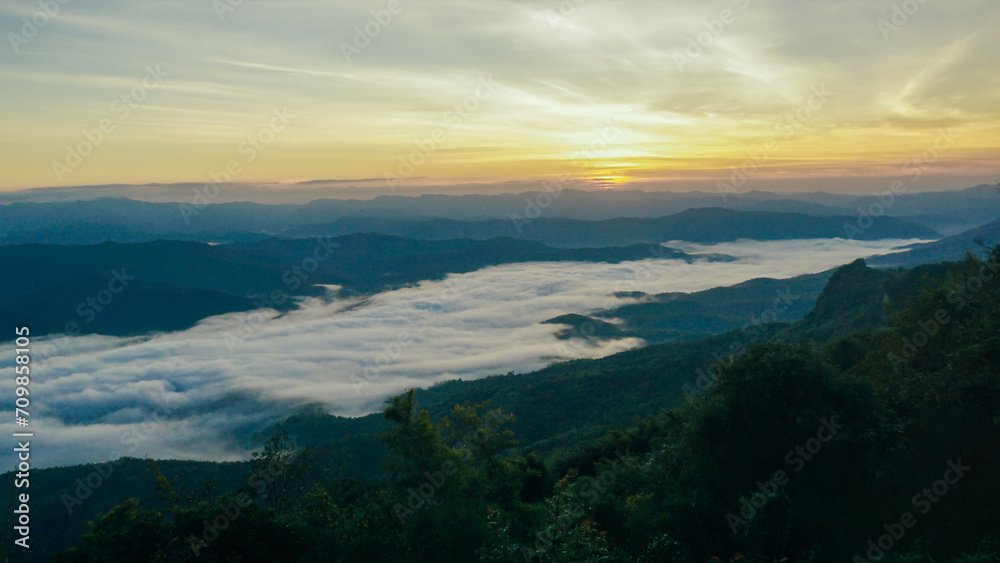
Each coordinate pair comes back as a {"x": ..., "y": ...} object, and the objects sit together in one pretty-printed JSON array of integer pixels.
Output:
[
  {"x": 140, "y": 307},
  {"x": 949, "y": 248},
  {"x": 126, "y": 288},
  {"x": 674, "y": 317},
  {"x": 711, "y": 224},
  {"x": 789, "y": 206},
  {"x": 948, "y": 212},
  {"x": 134, "y": 221}
]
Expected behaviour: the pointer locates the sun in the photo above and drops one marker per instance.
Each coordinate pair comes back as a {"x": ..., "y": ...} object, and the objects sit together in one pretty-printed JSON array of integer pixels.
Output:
[{"x": 609, "y": 182}]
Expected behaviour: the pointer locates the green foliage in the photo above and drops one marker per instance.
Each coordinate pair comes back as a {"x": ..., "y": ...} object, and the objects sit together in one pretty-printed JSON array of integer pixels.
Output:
[
  {"x": 674, "y": 317},
  {"x": 799, "y": 452}
]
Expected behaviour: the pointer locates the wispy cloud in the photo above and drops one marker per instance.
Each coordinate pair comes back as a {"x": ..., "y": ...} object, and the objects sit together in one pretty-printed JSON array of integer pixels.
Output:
[{"x": 605, "y": 58}]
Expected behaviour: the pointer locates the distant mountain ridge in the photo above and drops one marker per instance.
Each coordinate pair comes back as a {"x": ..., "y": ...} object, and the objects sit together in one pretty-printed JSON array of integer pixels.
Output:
[
  {"x": 706, "y": 225},
  {"x": 170, "y": 285},
  {"x": 976, "y": 241},
  {"x": 132, "y": 221},
  {"x": 753, "y": 305},
  {"x": 946, "y": 211}
]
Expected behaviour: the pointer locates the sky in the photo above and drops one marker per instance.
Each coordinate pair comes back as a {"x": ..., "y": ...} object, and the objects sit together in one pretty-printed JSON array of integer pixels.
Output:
[
  {"x": 396, "y": 93},
  {"x": 192, "y": 394}
]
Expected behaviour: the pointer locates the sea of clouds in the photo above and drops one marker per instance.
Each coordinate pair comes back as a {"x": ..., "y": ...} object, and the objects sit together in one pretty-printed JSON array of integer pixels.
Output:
[{"x": 201, "y": 393}]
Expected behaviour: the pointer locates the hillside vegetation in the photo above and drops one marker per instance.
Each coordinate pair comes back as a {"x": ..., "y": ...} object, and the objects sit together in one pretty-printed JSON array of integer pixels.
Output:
[
  {"x": 866, "y": 431},
  {"x": 134, "y": 288}
]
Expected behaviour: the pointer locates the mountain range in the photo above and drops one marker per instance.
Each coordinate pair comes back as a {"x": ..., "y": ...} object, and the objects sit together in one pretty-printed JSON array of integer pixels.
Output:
[
  {"x": 122, "y": 220},
  {"x": 170, "y": 285},
  {"x": 186, "y": 212}
]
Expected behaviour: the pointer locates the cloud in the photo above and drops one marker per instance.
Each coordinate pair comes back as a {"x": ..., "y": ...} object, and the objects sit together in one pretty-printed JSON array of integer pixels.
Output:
[
  {"x": 202, "y": 393},
  {"x": 558, "y": 84}
]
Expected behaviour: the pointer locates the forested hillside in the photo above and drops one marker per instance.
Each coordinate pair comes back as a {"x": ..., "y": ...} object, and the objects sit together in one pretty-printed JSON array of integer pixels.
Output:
[
  {"x": 867, "y": 431},
  {"x": 170, "y": 285}
]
